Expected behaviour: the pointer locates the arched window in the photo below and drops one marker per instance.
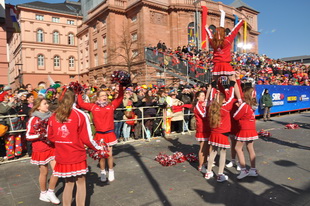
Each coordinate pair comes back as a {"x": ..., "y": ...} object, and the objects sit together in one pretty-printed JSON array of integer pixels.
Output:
[
  {"x": 71, "y": 39},
  {"x": 227, "y": 31},
  {"x": 71, "y": 62},
  {"x": 56, "y": 37},
  {"x": 40, "y": 60},
  {"x": 191, "y": 33},
  {"x": 40, "y": 35},
  {"x": 56, "y": 61}
]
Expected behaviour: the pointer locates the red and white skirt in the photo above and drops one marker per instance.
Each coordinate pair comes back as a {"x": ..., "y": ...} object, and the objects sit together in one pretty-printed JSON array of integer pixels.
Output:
[
  {"x": 70, "y": 170},
  {"x": 202, "y": 136},
  {"x": 219, "y": 140},
  {"x": 109, "y": 138},
  {"x": 223, "y": 68},
  {"x": 246, "y": 135},
  {"x": 42, "y": 158}
]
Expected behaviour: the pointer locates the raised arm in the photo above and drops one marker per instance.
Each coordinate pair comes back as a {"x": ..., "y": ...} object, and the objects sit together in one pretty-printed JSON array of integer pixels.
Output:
[
  {"x": 116, "y": 102},
  {"x": 231, "y": 36},
  {"x": 84, "y": 105}
]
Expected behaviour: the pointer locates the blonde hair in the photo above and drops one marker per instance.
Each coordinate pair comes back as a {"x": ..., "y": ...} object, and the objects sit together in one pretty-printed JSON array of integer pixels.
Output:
[
  {"x": 214, "y": 113},
  {"x": 249, "y": 98},
  {"x": 66, "y": 102},
  {"x": 36, "y": 105}
]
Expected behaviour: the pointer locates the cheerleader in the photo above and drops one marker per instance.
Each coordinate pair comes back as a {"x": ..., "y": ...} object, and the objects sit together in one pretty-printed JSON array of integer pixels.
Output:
[
  {"x": 103, "y": 114},
  {"x": 202, "y": 129},
  {"x": 222, "y": 53},
  {"x": 69, "y": 128},
  {"x": 246, "y": 135},
  {"x": 219, "y": 118},
  {"x": 42, "y": 150}
]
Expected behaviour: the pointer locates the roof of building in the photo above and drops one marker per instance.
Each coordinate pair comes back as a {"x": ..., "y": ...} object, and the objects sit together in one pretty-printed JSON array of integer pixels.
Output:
[
  {"x": 73, "y": 8},
  {"x": 239, "y": 3},
  {"x": 296, "y": 58}
]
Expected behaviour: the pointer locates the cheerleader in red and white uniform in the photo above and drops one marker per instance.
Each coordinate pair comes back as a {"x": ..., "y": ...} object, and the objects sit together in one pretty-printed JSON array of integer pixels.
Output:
[
  {"x": 221, "y": 45},
  {"x": 202, "y": 129},
  {"x": 246, "y": 135},
  {"x": 69, "y": 129},
  {"x": 42, "y": 150},
  {"x": 219, "y": 118},
  {"x": 103, "y": 114}
]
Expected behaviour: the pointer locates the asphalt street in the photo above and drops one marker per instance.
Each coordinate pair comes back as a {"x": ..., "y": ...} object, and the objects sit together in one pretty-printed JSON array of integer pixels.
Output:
[{"x": 282, "y": 163}]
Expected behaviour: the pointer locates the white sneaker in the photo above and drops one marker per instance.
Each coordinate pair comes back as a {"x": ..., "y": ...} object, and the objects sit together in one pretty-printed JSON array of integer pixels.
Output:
[
  {"x": 52, "y": 197},
  {"x": 230, "y": 164},
  {"x": 253, "y": 173},
  {"x": 238, "y": 167},
  {"x": 222, "y": 178},
  {"x": 243, "y": 174},
  {"x": 208, "y": 175},
  {"x": 103, "y": 177},
  {"x": 111, "y": 176},
  {"x": 43, "y": 197}
]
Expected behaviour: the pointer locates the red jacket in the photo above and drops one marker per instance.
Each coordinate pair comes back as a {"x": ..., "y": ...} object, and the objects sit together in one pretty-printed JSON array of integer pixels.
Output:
[
  {"x": 224, "y": 54},
  {"x": 225, "y": 124},
  {"x": 245, "y": 116},
  {"x": 31, "y": 135},
  {"x": 201, "y": 116},
  {"x": 103, "y": 116},
  {"x": 70, "y": 137}
]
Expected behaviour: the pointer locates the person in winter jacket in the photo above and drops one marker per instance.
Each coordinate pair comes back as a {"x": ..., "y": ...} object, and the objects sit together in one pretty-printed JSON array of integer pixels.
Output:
[{"x": 266, "y": 102}]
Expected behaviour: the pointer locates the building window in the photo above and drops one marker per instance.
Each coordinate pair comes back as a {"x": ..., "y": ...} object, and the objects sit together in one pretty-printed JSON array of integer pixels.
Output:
[
  {"x": 134, "y": 18},
  {"x": 103, "y": 21},
  {"x": 95, "y": 44},
  {"x": 134, "y": 53},
  {"x": 104, "y": 39},
  {"x": 71, "y": 22},
  {"x": 39, "y": 17},
  {"x": 71, "y": 62},
  {"x": 40, "y": 35},
  {"x": 96, "y": 60},
  {"x": 105, "y": 57},
  {"x": 95, "y": 28},
  {"x": 56, "y": 37},
  {"x": 227, "y": 31},
  {"x": 40, "y": 60},
  {"x": 71, "y": 39},
  {"x": 56, "y": 61},
  {"x": 134, "y": 36},
  {"x": 55, "y": 19}
]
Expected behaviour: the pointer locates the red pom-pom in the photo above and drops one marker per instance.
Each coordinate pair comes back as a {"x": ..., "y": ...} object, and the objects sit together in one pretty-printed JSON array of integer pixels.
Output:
[
  {"x": 41, "y": 129},
  {"x": 99, "y": 154},
  {"x": 121, "y": 77},
  {"x": 177, "y": 157},
  {"x": 76, "y": 87},
  {"x": 291, "y": 126},
  {"x": 264, "y": 133}
]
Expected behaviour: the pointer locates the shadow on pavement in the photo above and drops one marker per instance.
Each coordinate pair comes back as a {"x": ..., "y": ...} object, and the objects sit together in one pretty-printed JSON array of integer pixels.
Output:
[{"x": 284, "y": 143}]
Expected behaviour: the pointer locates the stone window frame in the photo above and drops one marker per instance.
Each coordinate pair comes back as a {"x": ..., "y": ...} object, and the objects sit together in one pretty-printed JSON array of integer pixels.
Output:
[
  {"x": 58, "y": 38},
  {"x": 40, "y": 60},
  {"x": 56, "y": 61},
  {"x": 39, "y": 35},
  {"x": 71, "y": 37}
]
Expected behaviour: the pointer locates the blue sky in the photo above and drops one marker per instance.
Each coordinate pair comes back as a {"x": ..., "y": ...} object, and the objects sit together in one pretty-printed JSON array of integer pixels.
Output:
[{"x": 284, "y": 25}]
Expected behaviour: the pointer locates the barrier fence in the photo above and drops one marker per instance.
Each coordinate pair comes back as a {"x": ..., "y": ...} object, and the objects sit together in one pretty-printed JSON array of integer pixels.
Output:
[{"x": 16, "y": 124}]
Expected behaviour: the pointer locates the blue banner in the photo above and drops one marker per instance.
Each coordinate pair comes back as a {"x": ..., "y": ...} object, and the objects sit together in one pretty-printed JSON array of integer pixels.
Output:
[{"x": 284, "y": 98}]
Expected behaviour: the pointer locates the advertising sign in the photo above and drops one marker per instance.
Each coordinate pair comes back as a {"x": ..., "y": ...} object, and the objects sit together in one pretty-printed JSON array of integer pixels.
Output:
[{"x": 284, "y": 98}]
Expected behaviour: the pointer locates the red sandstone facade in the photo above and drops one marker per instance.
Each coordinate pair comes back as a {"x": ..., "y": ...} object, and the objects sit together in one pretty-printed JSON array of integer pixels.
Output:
[{"x": 145, "y": 22}]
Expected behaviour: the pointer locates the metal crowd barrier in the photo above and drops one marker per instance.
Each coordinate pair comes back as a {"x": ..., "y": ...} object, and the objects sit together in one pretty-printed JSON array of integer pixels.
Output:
[{"x": 143, "y": 119}]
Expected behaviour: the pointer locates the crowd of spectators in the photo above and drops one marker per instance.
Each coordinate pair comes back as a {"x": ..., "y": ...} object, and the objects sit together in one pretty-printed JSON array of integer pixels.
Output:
[{"x": 255, "y": 68}]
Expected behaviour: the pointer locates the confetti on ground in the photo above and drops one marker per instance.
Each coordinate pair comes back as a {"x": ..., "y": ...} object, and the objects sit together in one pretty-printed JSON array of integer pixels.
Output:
[
  {"x": 131, "y": 191},
  {"x": 21, "y": 202},
  {"x": 290, "y": 178}
]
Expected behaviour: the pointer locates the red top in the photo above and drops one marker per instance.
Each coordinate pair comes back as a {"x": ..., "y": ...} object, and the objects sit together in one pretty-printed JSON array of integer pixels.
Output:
[
  {"x": 245, "y": 116},
  {"x": 70, "y": 137},
  {"x": 31, "y": 135},
  {"x": 103, "y": 116},
  {"x": 224, "y": 54},
  {"x": 202, "y": 123},
  {"x": 225, "y": 124}
]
